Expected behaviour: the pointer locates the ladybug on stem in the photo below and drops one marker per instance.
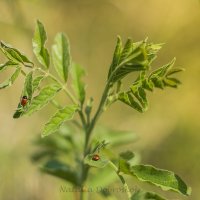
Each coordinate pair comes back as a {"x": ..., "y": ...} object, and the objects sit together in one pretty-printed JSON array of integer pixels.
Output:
[
  {"x": 95, "y": 157},
  {"x": 24, "y": 101}
]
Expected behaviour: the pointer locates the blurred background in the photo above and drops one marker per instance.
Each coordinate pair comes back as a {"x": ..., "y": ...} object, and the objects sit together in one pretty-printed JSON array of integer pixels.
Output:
[{"x": 168, "y": 131}]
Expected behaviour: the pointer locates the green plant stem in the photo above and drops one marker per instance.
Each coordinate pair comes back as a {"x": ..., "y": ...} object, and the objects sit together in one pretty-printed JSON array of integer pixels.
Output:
[
  {"x": 95, "y": 118},
  {"x": 125, "y": 185},
  {"x": 68, "y": 93},
  {"x": 88, "y": 131}
]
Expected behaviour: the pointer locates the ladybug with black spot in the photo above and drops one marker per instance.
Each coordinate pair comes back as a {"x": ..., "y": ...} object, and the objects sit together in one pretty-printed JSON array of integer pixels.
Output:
[
  {"x": 24, "y": 101},
  {"x": 95, "y": 157}
]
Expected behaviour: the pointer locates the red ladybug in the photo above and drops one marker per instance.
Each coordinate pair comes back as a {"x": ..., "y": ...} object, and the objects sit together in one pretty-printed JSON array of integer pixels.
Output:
[
  {"x": 95, "y": 157},
  {"x": 24, "y": 100}
]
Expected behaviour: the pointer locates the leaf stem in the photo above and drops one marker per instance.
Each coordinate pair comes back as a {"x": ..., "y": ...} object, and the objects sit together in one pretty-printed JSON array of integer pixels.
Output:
[
  {"x": 73, "y": 99},
  {"x": 125, "y": 185},
  {"x": 95, "y": 118}
]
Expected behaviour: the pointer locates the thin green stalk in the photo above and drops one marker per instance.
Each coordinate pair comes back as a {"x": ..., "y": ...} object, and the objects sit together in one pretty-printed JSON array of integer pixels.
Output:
[
  {"x": 125, "y": 185},
  {"x": 95, "y": 118},
  {"x": 88, "y": 130},
  {"x": 73, "y": 99}
]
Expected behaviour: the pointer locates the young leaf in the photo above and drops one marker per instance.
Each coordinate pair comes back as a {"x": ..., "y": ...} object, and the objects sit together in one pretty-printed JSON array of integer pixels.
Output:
[
  {"x": 160, "y": 78},
  {"x": 60, "y": 170},
  {"x": 46, "y": 94},
  {"x": 14, "y": 55},
  {"x": 174, "y": 71},
  {"x": 142, "y": 195},
  {"x": 162, "y": 71},
  {"x": 36, "y": 82},
  {"x": 116, "y": 56},
  {"x": 58, "y": 119},
  {"x": 133, "y": 58},
  {"x": 167, "y": 180},
  {"x": 78, "y": 85},
  {"x": 128, "y": 99},
  {"x": 38, "y": 42},
  {"x": 140, "y": 95},
  {"x": 126, "y": 50},
  {"x": 11, "y": 80},
  {"x": 102, "y": 162},
  {"x": 152, "y": 50},
  {"x": 61, "y": 55}
]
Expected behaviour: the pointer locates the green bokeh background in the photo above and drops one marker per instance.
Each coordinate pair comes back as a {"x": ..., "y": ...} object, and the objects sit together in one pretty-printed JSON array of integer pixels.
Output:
[{"x": 169, "y": 131}]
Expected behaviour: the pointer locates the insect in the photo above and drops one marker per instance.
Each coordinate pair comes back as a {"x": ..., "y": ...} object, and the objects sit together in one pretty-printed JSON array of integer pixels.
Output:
[
  {"x": 95, "y": 157},
  {"x": 24, "y": 101}
]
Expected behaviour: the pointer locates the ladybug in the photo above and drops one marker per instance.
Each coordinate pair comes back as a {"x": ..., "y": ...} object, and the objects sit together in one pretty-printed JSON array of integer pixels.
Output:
[
  {"x": 24, "y": 101},
  {"x": 95, "y": 157}
]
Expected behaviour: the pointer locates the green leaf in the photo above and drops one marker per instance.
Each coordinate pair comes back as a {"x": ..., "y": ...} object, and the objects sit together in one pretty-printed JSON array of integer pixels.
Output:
[
  {"x": 162, "y": 71},
  {"x": 27, "y": 91},
  {"x": 171, "y": 82},
  {"x": 142, "y": 195},
  {"x": 164, "y": 179},
  {"x": 127, "y": 155},
  {"x": 7, "y": 64},
  {"x": 58, "y": 119},
  {"x": 102, "y": 162},
  {"x": 99, "y": 146},
  {"x": 79, "y": 87},
  {"x": 128, "y": 99},
  {"x": 116, "y": 56},
  {"x": 132, "y": 58},
  {"x": 60, "y": 170},
  {"x": 19, "y": 112},
  {"x": 159, "y": 78},
  {"x": 140, "y": 94},
  {"x": 46, "y": 94},
  {"x": 61, "y": 55},
  {"x": 127, "y": 50},
  {"x": 28, "y": 88},
  {"x": 174, "y": 71},
  {"x": 36, "y": 82},
  {"x": 11, "y": 80},
  {"x": 152, "y": 50},
  {"x": 38, "y": 42},
  {"x": 15, "y": 55}
]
